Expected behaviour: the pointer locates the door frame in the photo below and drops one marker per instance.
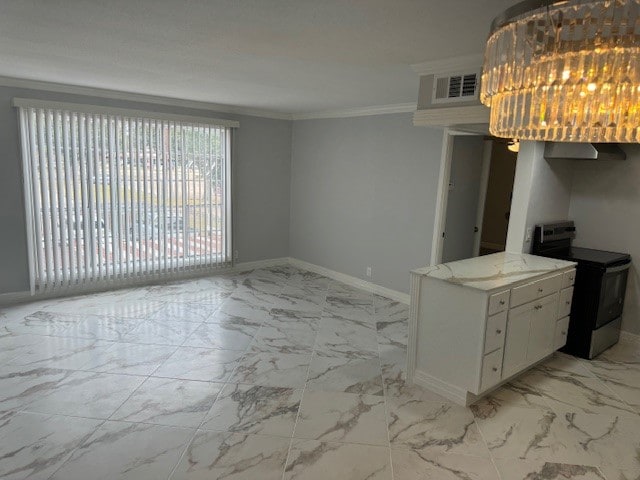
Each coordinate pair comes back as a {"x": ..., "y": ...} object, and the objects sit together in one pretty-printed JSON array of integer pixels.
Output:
[{"x": 440, "y": 219}]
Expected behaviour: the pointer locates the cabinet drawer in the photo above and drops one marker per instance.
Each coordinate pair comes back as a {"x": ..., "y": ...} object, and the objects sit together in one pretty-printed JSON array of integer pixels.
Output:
[
  {"x": 564, "y": 306},
  {"x": 568, "y": 278},
  {"x": 560, "y": 337},
  {"x": 494, "y": 336},
  {"x": 498, "y": 302},
  {"x": 491, "y": 370},
  {"x": 537, "y": 289}
]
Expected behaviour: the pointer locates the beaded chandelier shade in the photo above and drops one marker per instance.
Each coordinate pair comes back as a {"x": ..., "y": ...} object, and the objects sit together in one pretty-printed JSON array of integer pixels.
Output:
[{"x": 565, "y": 71}]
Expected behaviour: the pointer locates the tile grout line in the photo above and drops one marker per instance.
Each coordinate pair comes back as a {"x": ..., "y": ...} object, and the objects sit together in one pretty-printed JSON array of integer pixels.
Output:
[
  {"x": 204, "y": 418},
  {"x": 304, "y": 389},
  {"x": 384, "y": 390}
]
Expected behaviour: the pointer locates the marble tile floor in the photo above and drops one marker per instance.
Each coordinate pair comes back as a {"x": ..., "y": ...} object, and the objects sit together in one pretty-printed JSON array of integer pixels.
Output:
[{"x": 279, "y": 373}]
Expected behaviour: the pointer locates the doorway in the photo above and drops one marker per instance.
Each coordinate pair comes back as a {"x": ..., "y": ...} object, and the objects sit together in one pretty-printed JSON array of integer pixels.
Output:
[{"x": 477, "y": 174}]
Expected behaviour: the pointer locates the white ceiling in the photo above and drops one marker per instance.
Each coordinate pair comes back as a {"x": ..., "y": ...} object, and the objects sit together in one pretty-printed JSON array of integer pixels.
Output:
[{"x": 288, "y": 56}]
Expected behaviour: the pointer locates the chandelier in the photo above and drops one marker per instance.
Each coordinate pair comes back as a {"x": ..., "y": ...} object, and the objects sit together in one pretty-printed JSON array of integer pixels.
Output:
[{"x": 565, "y": 71}]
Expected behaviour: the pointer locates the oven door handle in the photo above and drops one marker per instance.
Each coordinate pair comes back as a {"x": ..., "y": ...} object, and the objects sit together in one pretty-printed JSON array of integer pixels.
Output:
[{"x": 619, "y": 268}]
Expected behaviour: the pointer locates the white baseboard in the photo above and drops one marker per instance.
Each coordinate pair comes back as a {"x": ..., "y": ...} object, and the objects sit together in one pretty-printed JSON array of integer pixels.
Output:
[
  {"x": 25, "y": 296},
  {"x": 629, "y": 337},
  {"x": 352, "y": 281},
  {"x": 451, "y": 392},
  {"x": 21, "y": 297},
  {"x": 270, "y": 262}
]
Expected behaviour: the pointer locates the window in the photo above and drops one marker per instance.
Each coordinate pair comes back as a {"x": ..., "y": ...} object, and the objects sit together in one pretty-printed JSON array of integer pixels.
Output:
[{"x": 114, "y": 194}]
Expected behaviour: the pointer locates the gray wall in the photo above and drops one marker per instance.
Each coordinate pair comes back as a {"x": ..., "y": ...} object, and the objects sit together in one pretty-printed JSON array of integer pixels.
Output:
[
  {"x": 605, "y": 204},
  {"x": 541, "y": 193},
  {"x": 262, "y": 162},
  {"x": 363, "y": 193},
  {"x": 462, "y": 201}
]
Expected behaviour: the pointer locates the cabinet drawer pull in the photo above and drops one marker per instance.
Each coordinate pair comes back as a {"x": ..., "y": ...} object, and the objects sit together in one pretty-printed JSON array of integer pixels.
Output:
[
  {"x": 495, "y": 369},
  {"x": 563, "y": 332},
  {"x": 538, "y": 307},
  {"x": 502, "y": 302},
  {"x": 568, "y": 302},
  {"x": 498, "y": 331},
  {"x": 540, "y": 290}
]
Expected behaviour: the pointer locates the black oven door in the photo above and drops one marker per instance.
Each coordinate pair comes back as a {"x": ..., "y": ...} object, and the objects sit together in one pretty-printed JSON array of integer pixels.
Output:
[{"x": 613, "y": 287}]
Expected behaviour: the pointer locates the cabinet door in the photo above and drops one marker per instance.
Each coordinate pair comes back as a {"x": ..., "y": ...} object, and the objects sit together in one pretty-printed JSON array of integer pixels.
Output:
[
  {"x": 543, "y": 325},
  {"x": 517, "y": 339}
]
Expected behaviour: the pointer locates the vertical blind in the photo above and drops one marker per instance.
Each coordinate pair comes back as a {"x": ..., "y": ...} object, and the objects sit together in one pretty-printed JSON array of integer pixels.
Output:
[{"x": 112, "y": 196}]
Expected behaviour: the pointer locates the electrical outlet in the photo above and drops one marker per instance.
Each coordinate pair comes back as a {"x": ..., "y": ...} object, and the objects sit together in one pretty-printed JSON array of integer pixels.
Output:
[{"x": 369, "y": 272}]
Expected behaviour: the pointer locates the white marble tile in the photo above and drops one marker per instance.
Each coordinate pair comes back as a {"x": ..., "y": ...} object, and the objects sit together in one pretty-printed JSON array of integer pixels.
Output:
[
  {"x": 160, "y": 332},
  {"x": 129, "y": 358},
  {"x": 302, "y": 299},
  {"x": 205, "y": 364},
  {"x": 562, "y": 437},
  {"x": 167, "y": 401},
  {"x": 339, "y": 289},
  {"x": 392, "y": 321},
  {"x": 351, "y": 375},
  {"x": 183, "y": 312},
  {"x": 416, "y": 465},
  {"x": 623, "y": 379},
  {"x": 527, "y": 469},
  {"x": 611, "y": 472},
  {"x": 244, "y": 305},
  {"x": 354, "y": 308},
  {"x": 419, "y": 423},
  {"x": 235, "y": 333},
  {"x": 588, "y": 394},
  {"x": 233, "y": 456},
  {"x": 284, "y": 319},
  {"x": 342, "y": 417},
  {"x": 521, "y": 392},
  {"x": 112, "y": 304},
  {"x": 314, "y": 460},
  {"x": 12, "y": 345},
  {"x": 42, "y": 323},
  {"x": 297, "y": 339},
  {"x": 61, "y": 352},
  {"x": 86, "y": 394},
  {"x": 341, "y": 337},
  {"x": 34, "y": 446},
  {"x": 100, "y": 327},
  {"x": 126, "y": 451},
  {"x": 20, "y": 386},
  {"x": 272, "y": 369},
  {"x": 255, "y": 409}
]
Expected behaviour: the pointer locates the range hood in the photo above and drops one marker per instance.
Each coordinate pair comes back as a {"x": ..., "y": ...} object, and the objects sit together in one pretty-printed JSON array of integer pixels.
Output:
[{"x": 583, "y": 151}]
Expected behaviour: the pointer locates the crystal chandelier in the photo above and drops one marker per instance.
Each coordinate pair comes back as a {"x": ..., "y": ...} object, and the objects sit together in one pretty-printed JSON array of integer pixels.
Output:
[{"x": 565, "y": 71}]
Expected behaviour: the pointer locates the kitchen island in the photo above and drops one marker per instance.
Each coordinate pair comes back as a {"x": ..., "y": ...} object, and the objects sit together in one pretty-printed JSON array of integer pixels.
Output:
[{"x": 477, "y": 323}]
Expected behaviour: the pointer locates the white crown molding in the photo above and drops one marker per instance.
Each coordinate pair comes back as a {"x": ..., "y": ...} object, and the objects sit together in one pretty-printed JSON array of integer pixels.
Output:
[
  {"x": 357, "y": 112},
  {"x": 449, "y": 116},
  {"x": 200, "y": 105},
  {"x": 448, "y": 65},
  {"x": 139, "y": 97}
]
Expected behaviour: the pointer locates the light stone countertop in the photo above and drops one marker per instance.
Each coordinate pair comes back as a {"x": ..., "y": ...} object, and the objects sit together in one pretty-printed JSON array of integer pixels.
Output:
[{"x": 494, "y": 271}]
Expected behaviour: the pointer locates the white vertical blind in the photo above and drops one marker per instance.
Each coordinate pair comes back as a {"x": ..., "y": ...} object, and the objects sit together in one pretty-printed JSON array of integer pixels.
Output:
[{"x": 111, "y": 196}]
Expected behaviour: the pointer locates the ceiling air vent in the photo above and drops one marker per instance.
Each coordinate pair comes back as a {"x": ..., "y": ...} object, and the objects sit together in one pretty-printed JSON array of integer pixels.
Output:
[{"x": 455, "y": 88}]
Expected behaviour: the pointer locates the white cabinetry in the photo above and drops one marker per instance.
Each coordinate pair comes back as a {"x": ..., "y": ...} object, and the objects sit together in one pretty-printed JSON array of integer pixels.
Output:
[{"x": 466, "y": 339}]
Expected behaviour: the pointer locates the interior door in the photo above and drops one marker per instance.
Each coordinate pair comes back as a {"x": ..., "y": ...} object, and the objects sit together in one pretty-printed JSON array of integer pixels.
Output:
[
  {"x": 543, "y": 323},
  {"x": 517, "y": 339},
  {"x": 462, "y": 198}
]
